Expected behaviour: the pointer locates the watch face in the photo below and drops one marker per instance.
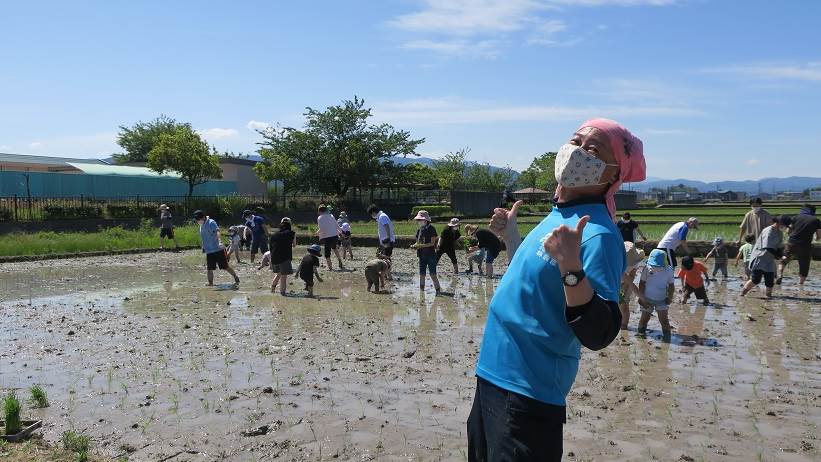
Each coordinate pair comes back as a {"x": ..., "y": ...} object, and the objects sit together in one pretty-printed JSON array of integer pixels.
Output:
[{"x": 571, "y": 279}]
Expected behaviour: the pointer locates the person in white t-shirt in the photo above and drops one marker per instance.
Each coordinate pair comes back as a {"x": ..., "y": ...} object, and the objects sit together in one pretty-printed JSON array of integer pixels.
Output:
[
  {"x": 656, "y": 291},
  {"x": 328, "y": 232},
  {"x": 385, "y": 233},
  {"x": 677, "y": 236}
]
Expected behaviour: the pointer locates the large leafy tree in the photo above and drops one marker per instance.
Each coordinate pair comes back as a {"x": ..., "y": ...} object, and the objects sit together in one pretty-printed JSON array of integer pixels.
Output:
[
  {"x": 540, "y": 174},
  {"x": 139, "y": 139},
  {"x": 184, "y": 152},
  {"x": 483, "y": 177},
  {"x": 450, "y": 169},
  {"x": 336, "y": 150}
]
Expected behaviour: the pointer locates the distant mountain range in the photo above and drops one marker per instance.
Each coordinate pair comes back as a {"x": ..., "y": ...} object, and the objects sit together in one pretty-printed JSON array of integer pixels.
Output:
[{"x": 766, "y": 185}]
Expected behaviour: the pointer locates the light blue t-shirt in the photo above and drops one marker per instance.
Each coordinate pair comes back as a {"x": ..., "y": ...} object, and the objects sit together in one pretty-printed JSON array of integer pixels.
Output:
[
  {"x": 528, "y": 347},
  {"x": 208, "y": 236}
]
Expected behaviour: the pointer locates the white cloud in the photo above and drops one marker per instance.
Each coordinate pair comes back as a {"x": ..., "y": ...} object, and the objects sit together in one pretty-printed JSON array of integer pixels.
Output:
[
  {"x": 752, "y": 162},
  {"x": 257, "y": 125},
  {"x": 81, "y": 146},
  {"x": 5, "y": 147},
  {"x": 449, "y": 111},
  {"x": 476, "y": 27},
  {"x": 458, "y": 47},
  {"x": 810, "y": 72},
  {"x": 218, "y": 133}
]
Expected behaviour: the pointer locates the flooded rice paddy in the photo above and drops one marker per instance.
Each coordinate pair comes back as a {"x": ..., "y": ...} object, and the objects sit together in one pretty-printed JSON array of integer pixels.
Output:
[{"x": 136, "y": 352}]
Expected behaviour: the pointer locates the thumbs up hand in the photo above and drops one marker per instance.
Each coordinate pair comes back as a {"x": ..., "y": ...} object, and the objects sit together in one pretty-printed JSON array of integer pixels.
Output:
[
  {"x": 503, "y": 224},
  {"x": 564, "y": 245}
]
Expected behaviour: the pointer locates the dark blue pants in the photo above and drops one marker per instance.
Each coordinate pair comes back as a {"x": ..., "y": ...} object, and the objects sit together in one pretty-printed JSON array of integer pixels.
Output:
[{"x": 507, "y": 426}]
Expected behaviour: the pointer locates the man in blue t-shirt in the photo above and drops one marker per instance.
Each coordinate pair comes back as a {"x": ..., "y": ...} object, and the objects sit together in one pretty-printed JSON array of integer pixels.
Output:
[
  {"x": 215, "y": 256},
  {"x": 560, "y": 291},
  {"x": 259, "y": 236}
]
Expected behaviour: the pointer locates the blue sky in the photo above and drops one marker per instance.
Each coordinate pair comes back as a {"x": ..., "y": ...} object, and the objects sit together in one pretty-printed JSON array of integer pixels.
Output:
[{"x": 717, "y": 90}]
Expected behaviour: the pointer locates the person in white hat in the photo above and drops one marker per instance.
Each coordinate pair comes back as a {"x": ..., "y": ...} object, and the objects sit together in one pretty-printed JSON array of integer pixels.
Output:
[
  {"x": 447, "y": 243},
  {"x": 167, "y": 226},
  {"x": 426, "y": 239},
  {"x": 345, "y": 240}
]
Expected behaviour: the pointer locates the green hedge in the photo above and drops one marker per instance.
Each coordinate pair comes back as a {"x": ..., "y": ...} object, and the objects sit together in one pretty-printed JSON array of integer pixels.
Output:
[
  {"x": 59, "y": 212},
  {"x": 132, "y": 211},
  {"x": 433, "y": 210}
]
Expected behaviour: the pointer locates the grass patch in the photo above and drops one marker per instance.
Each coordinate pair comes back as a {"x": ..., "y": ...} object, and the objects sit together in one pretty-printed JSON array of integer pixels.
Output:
[
  {"x": 11, "y": 413},
  {"x": 38, "y": 397},
  {"x": 49, "y": 242},
  {"x": 77, "y": 443}
]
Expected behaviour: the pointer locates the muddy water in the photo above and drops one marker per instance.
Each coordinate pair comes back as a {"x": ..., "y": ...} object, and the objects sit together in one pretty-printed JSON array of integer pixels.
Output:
[{"x": 136, "y": 352}]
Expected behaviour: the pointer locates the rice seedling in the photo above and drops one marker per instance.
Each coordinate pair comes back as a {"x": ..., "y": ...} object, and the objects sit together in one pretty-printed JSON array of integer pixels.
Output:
[
  {"x": 77, "y": 443},
  {"x": 11, "y": 412},
  {"x": 38, "y": 397}
]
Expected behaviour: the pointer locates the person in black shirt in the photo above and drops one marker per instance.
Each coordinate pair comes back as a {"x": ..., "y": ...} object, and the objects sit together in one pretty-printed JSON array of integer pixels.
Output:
[
  {"x": 426, "y": 239},
  {"x": 628, "y": 228},
  {"x": 308, "y": 268},
  {"x": 488, "y": 242},
  {"x": 804, "y": 227},
  {"x": 282, "y": 244},
  {"x": 447, "y": 243}
]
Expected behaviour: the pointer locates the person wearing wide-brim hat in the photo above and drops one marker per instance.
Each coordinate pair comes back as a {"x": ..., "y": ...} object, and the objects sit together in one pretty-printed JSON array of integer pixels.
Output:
[
  {"x": 167, "y": 226},
  {"x": 635, "y": 257},
  {"x": 447, "y": 243},
  {"x": 425, "y": 245}
]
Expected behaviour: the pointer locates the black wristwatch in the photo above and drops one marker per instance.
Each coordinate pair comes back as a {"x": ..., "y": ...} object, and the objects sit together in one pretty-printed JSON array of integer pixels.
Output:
[{"x": 573, "y": 278}]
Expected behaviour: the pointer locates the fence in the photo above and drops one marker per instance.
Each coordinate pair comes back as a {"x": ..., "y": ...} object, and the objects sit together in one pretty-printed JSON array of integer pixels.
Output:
[{"x": 34, "y": 209}]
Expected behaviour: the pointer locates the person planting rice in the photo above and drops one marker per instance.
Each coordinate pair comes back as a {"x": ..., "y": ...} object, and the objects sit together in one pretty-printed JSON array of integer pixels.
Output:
[
  {"x": 656, "y": 291},
  {"x": 425, "y": 245},
  {"x": 282, "y": 244},
  {"x": 345, "y": 240},
  {"x": 259, "y": 236},
  {"x": 385, "y": 233},
  {"x": 476, "y": 255},
  {"x": 376, "y": 271},
  {"x": 561, "y": 291},
  {"x": 755, "y": 220},
  {"x": 691, "y": 273},
  {"x": 804, "y": 227},
  {"x": 764, "y": 254},
  {"x": 744, "y": 254},
  {"x": 211, "y": 244},
  {"x": 488, "y": 243},
  {"x": 628, "y": 284},
  {"x": 167, "y": 227},
  {"x": 309, "y": 268},
  {"x": 720, "y": 257},
  {"x": 628, "y": 228},
  {"x": 233, "y": 243},
  {"x": 265, "y": 261},
  {"x": 447, "y": 243},
  {"x": 328, "y": 233},
  {"x": 677, "y": 236}
]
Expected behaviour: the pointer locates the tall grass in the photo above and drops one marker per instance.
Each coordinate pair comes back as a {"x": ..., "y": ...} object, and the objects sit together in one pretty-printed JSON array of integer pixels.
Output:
[
  {"x": 11, "y": 413},
  {"x": 49, "y": 242}
]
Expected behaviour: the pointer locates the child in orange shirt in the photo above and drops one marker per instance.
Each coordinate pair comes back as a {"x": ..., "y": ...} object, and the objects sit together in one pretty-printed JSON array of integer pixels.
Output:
[{"x": 691, "y": 279}]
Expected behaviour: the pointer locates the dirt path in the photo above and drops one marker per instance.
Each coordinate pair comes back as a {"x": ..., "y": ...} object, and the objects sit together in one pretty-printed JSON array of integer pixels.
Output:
[{"x": 136, "y": 352}]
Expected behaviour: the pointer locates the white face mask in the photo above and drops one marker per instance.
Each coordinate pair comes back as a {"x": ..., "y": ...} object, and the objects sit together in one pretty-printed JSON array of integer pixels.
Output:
[
  {"x": 756, "y": 208},
  {"x": 577, "y": 168}
]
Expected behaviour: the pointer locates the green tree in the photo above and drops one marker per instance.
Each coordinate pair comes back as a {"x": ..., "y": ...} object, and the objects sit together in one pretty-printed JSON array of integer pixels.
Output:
[
  {"x": 420, "y": 175},
  {"x": 540, "y": 174},
  {"x": 184, "y": 152},
  {"x": 483, "y": 177},
  {"x": 335, "y": 151},
  {"x": 450, "y": 169},
  {"x": 139, "y": 140}
]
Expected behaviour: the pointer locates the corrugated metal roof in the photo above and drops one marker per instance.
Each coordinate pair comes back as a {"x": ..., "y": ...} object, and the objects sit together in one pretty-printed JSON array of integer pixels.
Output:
[
  {"x": 45, "y": 160},
  {"x": 106, "y": 169}
]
